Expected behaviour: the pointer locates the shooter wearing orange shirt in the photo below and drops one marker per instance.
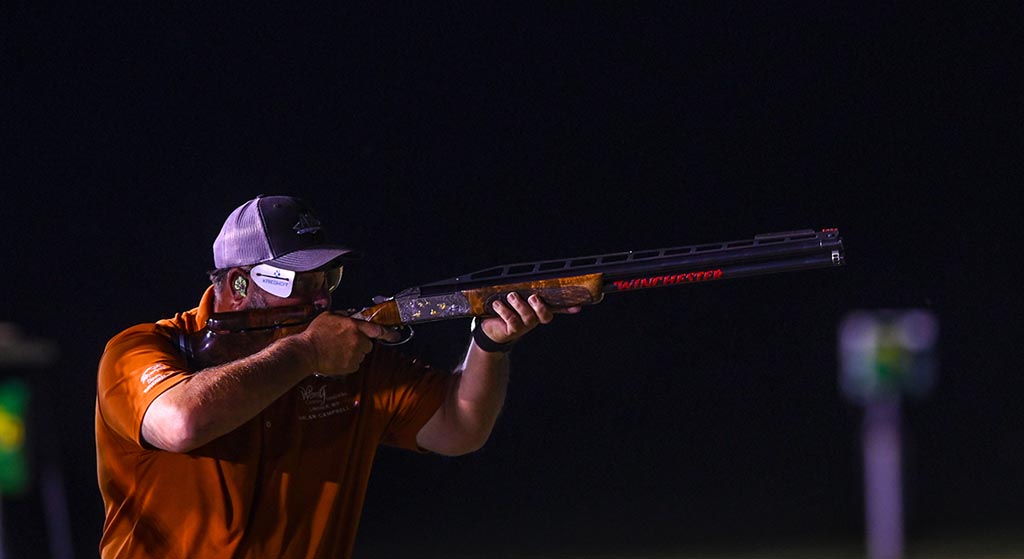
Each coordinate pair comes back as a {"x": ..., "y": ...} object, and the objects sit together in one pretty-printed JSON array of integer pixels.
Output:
[{"x": 269, "y": 455}]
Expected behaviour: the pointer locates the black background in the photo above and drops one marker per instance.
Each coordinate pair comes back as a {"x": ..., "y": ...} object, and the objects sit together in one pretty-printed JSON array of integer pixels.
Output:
[{"x": 445, "y": 139}]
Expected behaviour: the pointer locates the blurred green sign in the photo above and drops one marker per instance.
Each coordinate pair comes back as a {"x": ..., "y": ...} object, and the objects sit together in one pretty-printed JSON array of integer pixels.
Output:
[{"x": 13, "y": 462}]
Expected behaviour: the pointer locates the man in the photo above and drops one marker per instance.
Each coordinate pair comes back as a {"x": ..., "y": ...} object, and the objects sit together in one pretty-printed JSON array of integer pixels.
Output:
[{"x": 269, "y": 455}]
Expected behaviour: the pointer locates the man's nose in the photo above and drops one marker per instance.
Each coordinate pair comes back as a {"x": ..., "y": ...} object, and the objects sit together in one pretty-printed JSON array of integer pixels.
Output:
[{"x": 322, "y": 300}]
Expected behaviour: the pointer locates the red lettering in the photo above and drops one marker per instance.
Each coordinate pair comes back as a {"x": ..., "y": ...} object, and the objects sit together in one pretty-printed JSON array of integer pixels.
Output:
[{"x": 655, "y": 281}]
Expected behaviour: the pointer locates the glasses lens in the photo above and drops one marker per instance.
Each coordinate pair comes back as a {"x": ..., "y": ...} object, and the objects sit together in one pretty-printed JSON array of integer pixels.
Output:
[{"x": 333, "y": 277}]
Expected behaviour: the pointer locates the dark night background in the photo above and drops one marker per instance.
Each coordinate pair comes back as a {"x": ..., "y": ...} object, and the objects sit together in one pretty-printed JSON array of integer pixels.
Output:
[{"x": 445, "y": 139}]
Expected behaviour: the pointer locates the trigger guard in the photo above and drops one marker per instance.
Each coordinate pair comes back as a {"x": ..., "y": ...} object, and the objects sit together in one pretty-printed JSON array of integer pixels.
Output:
[{"x": 407, "y": 334}]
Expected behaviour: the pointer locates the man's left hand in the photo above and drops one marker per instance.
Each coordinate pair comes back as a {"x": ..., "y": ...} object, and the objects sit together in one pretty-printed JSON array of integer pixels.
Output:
[{"x": 517, "y": 316}]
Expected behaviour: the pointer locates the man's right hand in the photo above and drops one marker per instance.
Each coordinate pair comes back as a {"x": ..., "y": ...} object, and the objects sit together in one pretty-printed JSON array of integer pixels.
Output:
[{"x": 337, "y": 344}]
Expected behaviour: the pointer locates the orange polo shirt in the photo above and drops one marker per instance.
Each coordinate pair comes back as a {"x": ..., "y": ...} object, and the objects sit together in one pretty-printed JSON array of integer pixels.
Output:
[{"x": 288, "y": 484}]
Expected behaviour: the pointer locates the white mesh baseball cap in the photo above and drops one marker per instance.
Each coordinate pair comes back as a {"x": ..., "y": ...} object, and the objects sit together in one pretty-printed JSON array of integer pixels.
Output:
[{"x": 277, "y": 230}]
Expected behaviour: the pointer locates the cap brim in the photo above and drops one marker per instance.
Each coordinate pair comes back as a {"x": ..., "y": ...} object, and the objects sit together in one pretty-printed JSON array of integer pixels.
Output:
[{"x": 308, "y": 259}]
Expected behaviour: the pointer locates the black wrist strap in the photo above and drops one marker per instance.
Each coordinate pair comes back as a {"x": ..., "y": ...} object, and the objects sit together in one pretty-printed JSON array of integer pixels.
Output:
[{"x": 486, "y": 343}]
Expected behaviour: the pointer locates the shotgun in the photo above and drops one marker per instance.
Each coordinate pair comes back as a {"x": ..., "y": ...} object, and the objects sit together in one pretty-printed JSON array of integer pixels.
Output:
[{"x": 560, "y": 283}]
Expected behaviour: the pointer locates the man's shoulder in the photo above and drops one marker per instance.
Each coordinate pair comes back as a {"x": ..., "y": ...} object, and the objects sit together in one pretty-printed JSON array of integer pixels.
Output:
[
  {"x": 148, "y": 333},
  {"x": 185, "y": 322},
  {"x": 163, "y": 326}
]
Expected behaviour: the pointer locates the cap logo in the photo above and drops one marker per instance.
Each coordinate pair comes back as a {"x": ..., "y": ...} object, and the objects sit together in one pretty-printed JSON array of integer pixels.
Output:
[{"x": 307, "y": 224}]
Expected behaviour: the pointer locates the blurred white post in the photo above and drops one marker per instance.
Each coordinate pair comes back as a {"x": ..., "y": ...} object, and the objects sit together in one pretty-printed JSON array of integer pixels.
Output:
[
  {"x": 882, "y": 444},
  {"x": 885, "y": 354}
]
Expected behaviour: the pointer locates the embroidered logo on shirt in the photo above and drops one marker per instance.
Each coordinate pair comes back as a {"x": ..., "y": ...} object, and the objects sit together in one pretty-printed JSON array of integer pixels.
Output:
[
  {"x": 320, "y": 404},
  {"x": 154, "y": 374},
  {"x": 313, "y": 397}
]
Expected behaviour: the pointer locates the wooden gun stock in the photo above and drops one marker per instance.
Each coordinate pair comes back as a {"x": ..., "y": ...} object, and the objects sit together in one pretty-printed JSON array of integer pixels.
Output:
[{"x": 233, "y": 335}]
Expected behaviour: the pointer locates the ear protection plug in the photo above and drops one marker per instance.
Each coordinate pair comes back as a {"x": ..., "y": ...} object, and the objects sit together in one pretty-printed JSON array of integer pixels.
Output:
[{"x": 240, "y": 285}]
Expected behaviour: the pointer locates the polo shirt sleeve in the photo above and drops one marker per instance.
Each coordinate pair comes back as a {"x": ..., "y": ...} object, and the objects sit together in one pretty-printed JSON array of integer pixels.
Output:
[
  {"x": 137, "y": 366},
  {"x": 407, "y": 392}
]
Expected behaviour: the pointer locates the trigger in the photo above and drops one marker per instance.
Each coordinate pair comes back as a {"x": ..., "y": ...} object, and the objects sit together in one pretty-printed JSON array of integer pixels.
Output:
[{"x": 405, "y": 331}]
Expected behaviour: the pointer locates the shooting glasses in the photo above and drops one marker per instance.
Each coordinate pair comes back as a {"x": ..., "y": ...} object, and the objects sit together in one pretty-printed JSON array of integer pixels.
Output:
[{"x": 286, "y": 283}]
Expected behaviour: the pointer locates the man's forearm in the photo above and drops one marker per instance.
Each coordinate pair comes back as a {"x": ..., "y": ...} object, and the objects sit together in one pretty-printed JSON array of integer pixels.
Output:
[
  {"x": 219, "y": 399},
  {"x": 481, "y": 392},
  {"x": 475, "y": 396}
]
